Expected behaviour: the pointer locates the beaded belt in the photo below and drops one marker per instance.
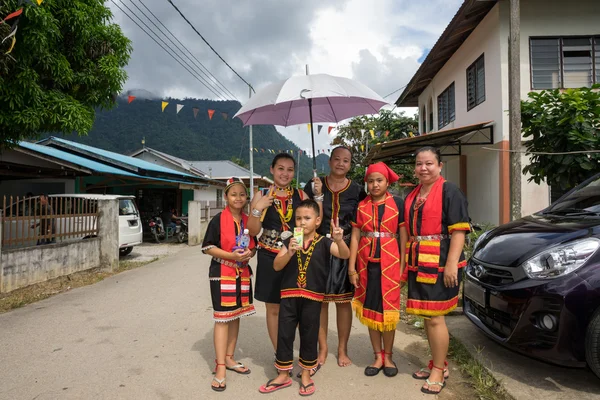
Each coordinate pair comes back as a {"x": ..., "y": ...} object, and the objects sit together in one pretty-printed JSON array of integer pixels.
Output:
[
  {"x": 379, "y": 234},
  {"x": 229, "y": 263},
  {"x": 429, "y": 237},
  {"x": 270, "y": 238}
]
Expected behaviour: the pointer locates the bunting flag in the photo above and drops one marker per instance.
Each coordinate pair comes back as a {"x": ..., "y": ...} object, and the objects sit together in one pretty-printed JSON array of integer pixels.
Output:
[
  {"x": 308, "y": 127},
  {"x": 411, "y": 134},
  {"x": 210, "y": 114},
  {"x": 263, "y": 150},
  {"x": 164, "y": 105},
  {"x": 179, "y": 107},
  {"x": 329, "y": 130},
  {"x": 130, "y": 99},
  {"x": 319, "y": 127},
  {"x": 224, "y": 115},
  {"x": 40, "y": 2},
  {"x": 329, "y": 150},
  {"x": 14, "y": 14},
  {"x": 372, "y": 132},
  {"x": 196, "y": 109},
  {"x": 387, "y": 133},
  {"x": 362, "y": 147}
]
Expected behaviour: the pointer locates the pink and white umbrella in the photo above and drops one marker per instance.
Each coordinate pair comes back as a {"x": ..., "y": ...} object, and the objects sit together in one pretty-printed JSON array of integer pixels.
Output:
[{"x": 304, "y": 99}]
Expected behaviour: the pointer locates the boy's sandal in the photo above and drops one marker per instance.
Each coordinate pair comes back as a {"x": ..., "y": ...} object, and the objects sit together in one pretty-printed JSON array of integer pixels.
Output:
[
  {"x": 271, "y": 387},
  {"x": 313, "y": 371},
  {"x": 222, "y": 386},
  {"x": 429, "y": 384},
  {"x": 390, "y": 371},
  {"x": 427, "y": 370},
  {"x": 307, "y": 390}
]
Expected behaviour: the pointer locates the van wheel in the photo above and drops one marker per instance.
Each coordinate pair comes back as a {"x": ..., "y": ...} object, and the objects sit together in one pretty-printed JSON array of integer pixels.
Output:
[
  {"x": 125, "y": 251},
  {"x": 592, "y": 343}
]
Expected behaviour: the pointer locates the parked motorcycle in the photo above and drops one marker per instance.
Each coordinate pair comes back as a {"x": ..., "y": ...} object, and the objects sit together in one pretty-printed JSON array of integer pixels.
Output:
[
  {"x": 182, "y": 234},
  {"x": 159, "y": 232}
]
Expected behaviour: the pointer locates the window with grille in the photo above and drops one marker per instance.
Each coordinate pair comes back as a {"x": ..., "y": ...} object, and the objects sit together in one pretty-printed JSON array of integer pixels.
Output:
[
  {"x": 476, "y": 83},
  {"x": 559, "y": 63},
  {"x": 446, "y": 108}
]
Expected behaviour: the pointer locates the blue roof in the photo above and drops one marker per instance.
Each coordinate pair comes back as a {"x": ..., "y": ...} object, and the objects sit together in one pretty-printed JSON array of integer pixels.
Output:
[
  {"x": 73, "y": 159},
  {"x": 94, "y": 165},
  {"x": 132, "y": 161}
]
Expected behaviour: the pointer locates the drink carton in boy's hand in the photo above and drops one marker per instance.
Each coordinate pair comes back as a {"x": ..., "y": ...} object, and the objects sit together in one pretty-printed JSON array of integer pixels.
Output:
[{"x": 299, "y": 235}]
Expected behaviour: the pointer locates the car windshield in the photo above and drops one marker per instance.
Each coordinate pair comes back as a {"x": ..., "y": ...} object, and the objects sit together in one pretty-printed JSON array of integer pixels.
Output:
[
  {"x": 127, "y": 207},
  {"x": 583, "y": 200}
]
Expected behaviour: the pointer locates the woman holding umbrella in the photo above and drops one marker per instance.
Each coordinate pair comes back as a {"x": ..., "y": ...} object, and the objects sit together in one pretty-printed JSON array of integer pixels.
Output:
[
  {"x": 274, "y": 213},
  {"x": 340, "y": 197}
]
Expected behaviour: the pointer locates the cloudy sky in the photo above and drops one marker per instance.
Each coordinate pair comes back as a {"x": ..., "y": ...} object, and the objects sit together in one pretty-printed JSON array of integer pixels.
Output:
[{"x": 379, "y": 43}]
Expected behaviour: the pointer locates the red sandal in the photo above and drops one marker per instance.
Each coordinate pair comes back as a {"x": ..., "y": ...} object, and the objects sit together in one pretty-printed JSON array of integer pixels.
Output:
[{"x": 416, "y": 375}]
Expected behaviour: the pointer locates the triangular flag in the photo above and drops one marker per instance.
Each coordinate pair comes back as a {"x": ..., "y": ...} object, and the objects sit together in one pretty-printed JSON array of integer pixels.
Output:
[
  {"x": 130, "y": 99},
  {"x": 263, "y": 150},
  {"x": 319, "y": 127},
  {"x": 210, "y": 114},
  {"x": 196, "y": 109},
  {"x": 308, "y": 127},
  {"x": 224, "y": 115},
  {"x": 411, "y": 134},
  {"x": 12, "y": 45},
  {"x": 329, "y": 150},
  {"x": 14, "y": 14},
  {"x": 318, "y": 151},
  {"x": 164, "y": 105},
  {"x": 256, "y": 150},
  {"x": 179, "y": 107},
  {"x": 40, "y": 2},
  {"x": 387, "y": 133},
  {"x": 372, "y": 132},
  {"x": 362, "y": 147},
  {"x": 329, "y": 130}
]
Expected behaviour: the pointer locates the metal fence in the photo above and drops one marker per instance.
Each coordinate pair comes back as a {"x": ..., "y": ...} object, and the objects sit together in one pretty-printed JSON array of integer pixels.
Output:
[{"x": 28, "y": 221}]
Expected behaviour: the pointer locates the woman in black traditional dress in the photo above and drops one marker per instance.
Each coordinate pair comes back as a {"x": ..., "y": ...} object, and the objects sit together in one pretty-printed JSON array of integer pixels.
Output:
[
  {"x": 229, "y": 276},
  {"x": 340, "y": 197},
  {"x": 274, "y": 214},
  {"x": 437, "y": 220}
]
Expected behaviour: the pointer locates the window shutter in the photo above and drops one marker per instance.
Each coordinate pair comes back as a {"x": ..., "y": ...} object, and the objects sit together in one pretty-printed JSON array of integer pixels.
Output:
[
  {"x": 597, "y": 53},
  {"x": 545, "y": 63},
  {"x": 577, "y": 62},
  {"x": 451, "y": 105},
  {"x": 480, "y": 79},
  {"x": 471, "y": 99}
]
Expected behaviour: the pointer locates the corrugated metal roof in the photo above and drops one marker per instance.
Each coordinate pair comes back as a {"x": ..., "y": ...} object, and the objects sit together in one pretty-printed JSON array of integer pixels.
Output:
[
  {"x": 132, "y": 161},
  {"x": 222, "y": 169}
]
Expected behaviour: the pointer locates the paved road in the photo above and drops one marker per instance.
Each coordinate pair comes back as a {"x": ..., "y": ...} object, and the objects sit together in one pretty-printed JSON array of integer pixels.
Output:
[{"x": 147, "y": 334}]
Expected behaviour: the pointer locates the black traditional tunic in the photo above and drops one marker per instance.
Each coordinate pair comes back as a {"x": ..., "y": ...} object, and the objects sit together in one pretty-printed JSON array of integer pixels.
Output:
[
  {"x": 430, "y": 226},
  {"x": 302, "y": 291},
  {"x": 268, "y": 281},
  {"x": 221, "y": 313},
  {"x": 341, "y": 204}
]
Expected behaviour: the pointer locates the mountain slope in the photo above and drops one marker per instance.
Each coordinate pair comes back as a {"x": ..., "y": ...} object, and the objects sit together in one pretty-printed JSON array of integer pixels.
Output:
[{"x": 180, "y": 134}]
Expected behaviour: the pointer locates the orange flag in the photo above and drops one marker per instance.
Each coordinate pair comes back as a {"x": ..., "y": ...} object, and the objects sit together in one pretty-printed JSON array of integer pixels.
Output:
[
  {"x": 164, "y": 105},
  {"x": 329, "y": 130},
  {"x": 210, "y": 114},
  {"x": 14, "y": 14},
  {"x": 130, "y": 99},
  {"x": 387, "y": 133},
  {"x": 196, "y": 109}
]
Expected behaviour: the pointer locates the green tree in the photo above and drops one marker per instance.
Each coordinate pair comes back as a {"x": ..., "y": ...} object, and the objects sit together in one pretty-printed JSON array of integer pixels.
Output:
[
  {"x": 562, "y": 121},
  {"x": 67, "y": 61},
  {"x": 387, "y": 126}
]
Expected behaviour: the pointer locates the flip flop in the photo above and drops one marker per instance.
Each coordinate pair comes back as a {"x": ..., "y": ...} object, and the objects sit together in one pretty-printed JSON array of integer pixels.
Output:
[
  {"x": 274, "y": 386},
  {"x": 307, "y": 390},
  {"x": 442, "y": 385},
  {"x": 220, "y": 382},
  {"x": 313, "y": 371},
  {"x": 235, "y": 369}
]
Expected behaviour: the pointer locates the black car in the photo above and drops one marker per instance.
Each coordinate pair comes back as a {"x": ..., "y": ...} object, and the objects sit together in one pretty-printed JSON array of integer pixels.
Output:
[{"x": 534, "y": 284}]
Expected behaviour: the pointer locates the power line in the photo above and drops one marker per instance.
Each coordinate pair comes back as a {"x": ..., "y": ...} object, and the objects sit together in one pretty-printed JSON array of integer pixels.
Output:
[
  {"x": 397, "y": 90},
  {"x": 220, "y": 85},
  {"x": 208, "y": 44},
  {"x": 161, "y": 46}
]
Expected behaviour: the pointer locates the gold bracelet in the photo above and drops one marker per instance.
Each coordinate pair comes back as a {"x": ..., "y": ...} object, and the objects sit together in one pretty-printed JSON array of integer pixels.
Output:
[{"x": 352, "y": 273}]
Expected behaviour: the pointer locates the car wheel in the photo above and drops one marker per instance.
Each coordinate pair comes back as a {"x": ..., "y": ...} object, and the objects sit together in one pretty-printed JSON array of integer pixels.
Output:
[
  {"x": 592, "y": 343},
  {"x": 125, "y": 251}
]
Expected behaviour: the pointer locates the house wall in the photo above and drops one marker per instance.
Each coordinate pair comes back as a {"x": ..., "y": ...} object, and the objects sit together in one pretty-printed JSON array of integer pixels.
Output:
[
  {"x": 146, "y": 156},
  {"x": 36, "y": 186}
]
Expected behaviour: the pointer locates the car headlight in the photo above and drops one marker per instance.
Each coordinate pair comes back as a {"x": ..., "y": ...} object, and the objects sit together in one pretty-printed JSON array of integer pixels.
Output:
[
  {"x": 561, "y": 260},
  {"x": 480, "y": 239}
]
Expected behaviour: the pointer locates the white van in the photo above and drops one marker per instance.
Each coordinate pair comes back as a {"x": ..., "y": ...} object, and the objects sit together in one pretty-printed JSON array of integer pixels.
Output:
[{"x": 130, "y": 224}]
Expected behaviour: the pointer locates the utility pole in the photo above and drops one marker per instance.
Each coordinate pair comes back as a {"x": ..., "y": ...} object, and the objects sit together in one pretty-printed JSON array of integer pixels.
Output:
[
  {"x": 514, "y": 106},
  {"x": 251, "y": 153},
  {"x": 298, "y": 173}
]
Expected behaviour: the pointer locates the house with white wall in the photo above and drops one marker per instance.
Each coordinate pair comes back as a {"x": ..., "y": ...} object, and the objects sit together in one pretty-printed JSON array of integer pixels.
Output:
[{"x": 461, "y": 91}]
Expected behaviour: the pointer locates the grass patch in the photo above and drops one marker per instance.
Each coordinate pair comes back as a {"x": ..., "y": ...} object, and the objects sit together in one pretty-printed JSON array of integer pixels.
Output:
[
  {"x": 484, "y": 383},
  {"x": 43, "y": 290}
]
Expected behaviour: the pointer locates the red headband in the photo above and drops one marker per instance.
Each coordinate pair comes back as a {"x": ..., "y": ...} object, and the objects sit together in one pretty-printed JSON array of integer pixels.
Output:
[{"x": 384, "y": 170}]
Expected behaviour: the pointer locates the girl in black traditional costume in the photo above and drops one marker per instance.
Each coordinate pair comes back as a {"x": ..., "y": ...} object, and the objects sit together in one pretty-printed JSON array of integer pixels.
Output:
[
  {"x": 274, "y": 213},
  {"x": 340, "y": 197},
  {"x": 229, "y": 275},
  {"x": 437, "y": 219}
]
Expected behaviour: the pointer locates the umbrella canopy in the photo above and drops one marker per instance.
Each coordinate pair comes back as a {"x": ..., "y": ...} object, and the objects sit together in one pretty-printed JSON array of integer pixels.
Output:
[{"x": 333, "y": 99}]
